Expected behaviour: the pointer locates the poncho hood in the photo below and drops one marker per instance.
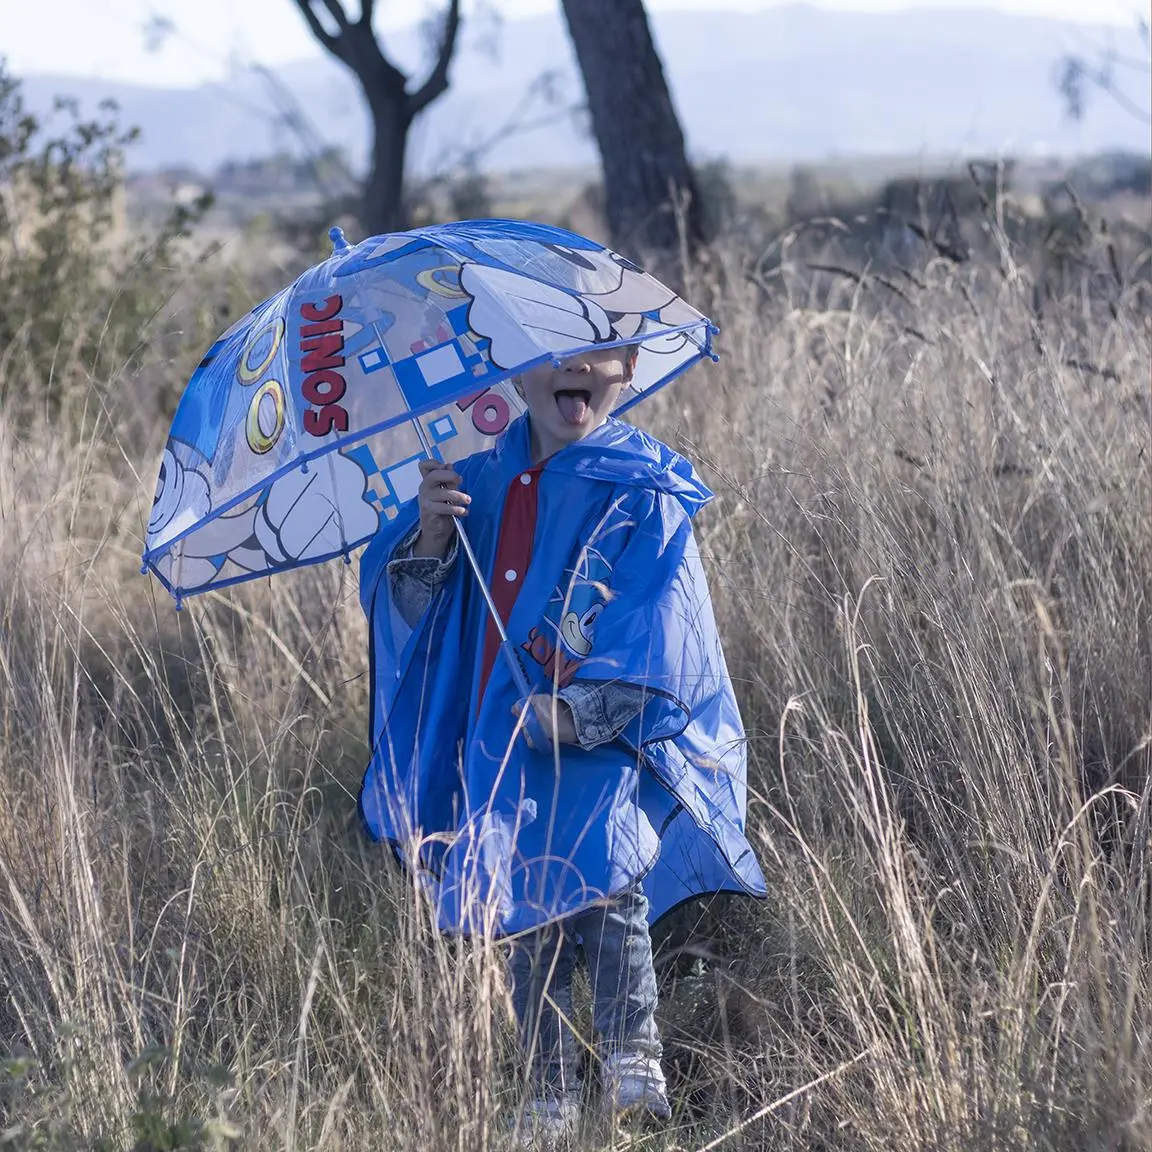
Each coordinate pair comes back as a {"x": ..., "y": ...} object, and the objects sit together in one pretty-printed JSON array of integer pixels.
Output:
[{"x": 617, "y": 453}]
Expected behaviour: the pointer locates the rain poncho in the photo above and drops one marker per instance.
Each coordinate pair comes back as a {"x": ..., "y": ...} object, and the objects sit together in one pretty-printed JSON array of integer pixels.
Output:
[{"x": 592, "y": 558}]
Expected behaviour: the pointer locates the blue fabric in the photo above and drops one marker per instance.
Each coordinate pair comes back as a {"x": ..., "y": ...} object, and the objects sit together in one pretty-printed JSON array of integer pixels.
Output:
[{"x": 509, "y": 839}]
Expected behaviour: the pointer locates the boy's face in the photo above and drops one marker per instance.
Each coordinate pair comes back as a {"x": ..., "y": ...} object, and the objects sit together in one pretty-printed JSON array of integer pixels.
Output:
[{"x": 570, "y": 402}]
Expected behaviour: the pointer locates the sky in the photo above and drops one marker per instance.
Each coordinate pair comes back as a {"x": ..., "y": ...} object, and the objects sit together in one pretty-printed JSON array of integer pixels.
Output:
[{"x": 106, "y": 38}]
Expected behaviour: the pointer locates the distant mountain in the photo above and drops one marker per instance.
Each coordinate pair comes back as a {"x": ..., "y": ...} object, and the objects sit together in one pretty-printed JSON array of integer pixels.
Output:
[{"x": 786, "y": 84}]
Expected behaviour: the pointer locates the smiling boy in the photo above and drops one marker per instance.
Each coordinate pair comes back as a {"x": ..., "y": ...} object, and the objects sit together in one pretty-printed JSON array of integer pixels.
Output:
[
  {"x": 566, "y": 403},
  {"x": 583, "y": 526}
]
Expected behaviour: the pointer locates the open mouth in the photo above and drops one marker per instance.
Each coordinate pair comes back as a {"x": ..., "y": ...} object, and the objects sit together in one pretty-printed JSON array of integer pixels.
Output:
[{"x": 573, "y": 404}]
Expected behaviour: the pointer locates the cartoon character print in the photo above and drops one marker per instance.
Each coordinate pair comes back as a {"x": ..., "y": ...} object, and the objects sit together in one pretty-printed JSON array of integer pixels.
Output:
[
  {"x": 525, "y": 296},
  {"x": 180, "y": 491},
  {"x": 233, "y": 414},
  {"x": 591, "y": 297},
  {"x": 306, "y": 515},
  {"x": 301, "y": 516},
  {"x": 523, "y": 316},
  {"x": 565, "y": 637}
]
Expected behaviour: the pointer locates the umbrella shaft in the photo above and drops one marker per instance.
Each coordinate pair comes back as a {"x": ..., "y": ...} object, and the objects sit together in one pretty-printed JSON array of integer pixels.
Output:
[{"x": 466, "y": 544}]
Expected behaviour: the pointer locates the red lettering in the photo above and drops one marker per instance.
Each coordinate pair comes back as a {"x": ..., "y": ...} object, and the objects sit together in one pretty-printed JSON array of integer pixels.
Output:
[
  {"x": 324, "y": 388},
  {"x": 557, "y": 665},
  {"x": 538, "y": 646},
  {"x": 569, "y": 665},
  {"x": 490, "y": 414},
  {"x": 322, "y": 422},
  {"x": 322, "y": 353},
  {"x": 561, "y": 667},
  {"x": 325, "y": 311}
]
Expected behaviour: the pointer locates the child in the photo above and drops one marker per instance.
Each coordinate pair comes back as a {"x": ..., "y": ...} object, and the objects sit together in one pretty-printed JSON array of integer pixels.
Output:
[{"x": 582, "y": 524}]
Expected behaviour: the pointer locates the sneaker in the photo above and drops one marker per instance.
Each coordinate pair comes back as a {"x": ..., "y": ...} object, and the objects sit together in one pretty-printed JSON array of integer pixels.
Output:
[
  {"x": 547, "y": 1124},
  {"x": 634, "y": 1088}
]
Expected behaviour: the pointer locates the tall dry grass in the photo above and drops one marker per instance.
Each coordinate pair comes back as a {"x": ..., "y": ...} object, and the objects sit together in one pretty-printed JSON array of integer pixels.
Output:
[{"x": 932, "y": 562}]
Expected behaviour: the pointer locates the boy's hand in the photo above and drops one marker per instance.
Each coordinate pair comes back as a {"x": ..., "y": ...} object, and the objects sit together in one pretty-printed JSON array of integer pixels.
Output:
[
  {"x": 440, "y": 501},
  {"x": 564, "y": 730}
]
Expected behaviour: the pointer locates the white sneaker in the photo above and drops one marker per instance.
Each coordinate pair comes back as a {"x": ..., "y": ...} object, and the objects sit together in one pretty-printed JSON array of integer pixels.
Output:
[
  {"x": 634, "y": 1087},
  {"x": 547, "y": 1124}
]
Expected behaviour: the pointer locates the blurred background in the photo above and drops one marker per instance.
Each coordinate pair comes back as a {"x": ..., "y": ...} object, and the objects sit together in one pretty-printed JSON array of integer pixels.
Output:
[{"x": 282, "y": 110}]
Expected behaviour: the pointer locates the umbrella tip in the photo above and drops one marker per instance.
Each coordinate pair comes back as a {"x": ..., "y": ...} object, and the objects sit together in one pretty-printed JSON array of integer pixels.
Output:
[{"x": 339, "y": 241}]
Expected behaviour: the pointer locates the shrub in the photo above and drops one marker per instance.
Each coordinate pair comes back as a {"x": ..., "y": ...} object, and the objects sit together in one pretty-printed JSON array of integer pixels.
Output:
[{"x": 77, "y": 293}]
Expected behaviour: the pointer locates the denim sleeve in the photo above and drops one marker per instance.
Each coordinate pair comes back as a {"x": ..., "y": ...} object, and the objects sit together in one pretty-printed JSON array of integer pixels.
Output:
[
  {"x": 600, "y": 712},
  {"x": 414, "y": 580}
]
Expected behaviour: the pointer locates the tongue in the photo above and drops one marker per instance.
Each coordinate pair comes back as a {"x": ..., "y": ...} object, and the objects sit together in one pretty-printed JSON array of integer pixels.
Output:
[{"x": 572, "y": 408}]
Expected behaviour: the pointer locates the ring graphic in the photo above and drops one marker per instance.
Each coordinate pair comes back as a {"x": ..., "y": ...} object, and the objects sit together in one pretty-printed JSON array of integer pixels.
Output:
[
  {"x": 490, "y": 414},
  {"x": 265, "y": 417},
  {"x": 245, "y": 372},
  {"x": 444, "y": 281}
]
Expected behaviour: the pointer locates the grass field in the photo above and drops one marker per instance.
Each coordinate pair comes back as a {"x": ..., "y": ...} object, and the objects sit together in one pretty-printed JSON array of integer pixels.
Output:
[{"x": 932, "y": 564}]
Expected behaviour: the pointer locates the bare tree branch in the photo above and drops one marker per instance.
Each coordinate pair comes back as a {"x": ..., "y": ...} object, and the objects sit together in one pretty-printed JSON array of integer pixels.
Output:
[
  {"x": 385, "y": 89},
  {"x": 437, "y": 83},
  {"x": 355, "y": 44},
  {"x": 1080, "y": 71},
  {"x": 336, "y": 11},
  {"x": 1077, "y": 75},
  {"x": 458, "y": 159},
  {"x": 1130, "y": 106},
  {"x": 316, "y": 27}
]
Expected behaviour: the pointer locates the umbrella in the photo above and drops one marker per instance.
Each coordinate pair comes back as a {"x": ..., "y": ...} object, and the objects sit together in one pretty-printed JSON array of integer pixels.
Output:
[{"x": 302, "y": 429}]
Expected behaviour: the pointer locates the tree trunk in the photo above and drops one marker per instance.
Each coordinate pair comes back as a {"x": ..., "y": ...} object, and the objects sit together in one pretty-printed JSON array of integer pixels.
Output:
[
  {"x": 382, "y": 208},
  {"x": 646, "y": 172}
]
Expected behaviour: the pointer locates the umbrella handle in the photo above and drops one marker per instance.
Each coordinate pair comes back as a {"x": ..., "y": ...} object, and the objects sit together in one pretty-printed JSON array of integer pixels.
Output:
[{"x": 533, "y": 729}]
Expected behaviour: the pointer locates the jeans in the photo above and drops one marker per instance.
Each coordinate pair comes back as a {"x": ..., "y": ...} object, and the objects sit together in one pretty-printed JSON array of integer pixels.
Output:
[{"x": 619, "y": 954}]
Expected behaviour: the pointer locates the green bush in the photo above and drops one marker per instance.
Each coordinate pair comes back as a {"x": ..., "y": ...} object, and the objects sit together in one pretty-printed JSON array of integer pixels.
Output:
[{"x": 76, "y": 293}]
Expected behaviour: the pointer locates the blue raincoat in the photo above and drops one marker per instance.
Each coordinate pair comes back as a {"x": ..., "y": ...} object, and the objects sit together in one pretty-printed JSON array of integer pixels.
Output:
[{"x": 606, "y": 585}]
